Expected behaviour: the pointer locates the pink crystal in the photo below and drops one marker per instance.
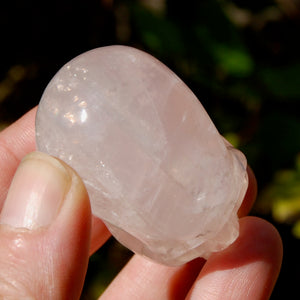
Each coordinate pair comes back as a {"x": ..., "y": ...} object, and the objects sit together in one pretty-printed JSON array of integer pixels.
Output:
[{"x": 158, "y": 173}]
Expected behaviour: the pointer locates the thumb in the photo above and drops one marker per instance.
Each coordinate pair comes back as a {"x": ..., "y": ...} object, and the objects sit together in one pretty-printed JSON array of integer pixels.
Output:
[{"x": 45, "y": 226}]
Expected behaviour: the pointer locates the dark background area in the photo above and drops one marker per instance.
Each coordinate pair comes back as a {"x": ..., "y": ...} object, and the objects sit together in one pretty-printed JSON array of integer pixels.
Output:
[{"x": 241, "y": 59}]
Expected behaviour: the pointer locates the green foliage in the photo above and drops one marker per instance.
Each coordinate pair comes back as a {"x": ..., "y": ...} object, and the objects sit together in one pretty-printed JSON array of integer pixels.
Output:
[
  {"x": 157, "y": 33},
  {"x": 283, "y": 82},
  {"x": 233, "y": 61},
  {"x": 282, "y": 197}
]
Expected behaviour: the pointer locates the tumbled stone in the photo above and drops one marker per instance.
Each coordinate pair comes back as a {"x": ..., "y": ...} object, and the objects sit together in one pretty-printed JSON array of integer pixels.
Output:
[{"x": 157, "y": 171}]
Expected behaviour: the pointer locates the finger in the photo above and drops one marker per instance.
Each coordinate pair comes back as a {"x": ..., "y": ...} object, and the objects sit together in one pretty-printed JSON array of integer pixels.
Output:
[
  {"x": 15, "y": 142},
  {"x": 44, "y": 232},
  {"x": 247, "y": 269},
  {"x": 100, "y": 234},
  {"x": 18, "y": 140},
  {"x": 144, "y": 279},
  {"x": 250, "y": 194}
]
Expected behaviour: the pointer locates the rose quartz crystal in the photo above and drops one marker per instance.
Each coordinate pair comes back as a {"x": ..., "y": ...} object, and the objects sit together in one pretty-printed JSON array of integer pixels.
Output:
[{"x": 157, "y": 171}]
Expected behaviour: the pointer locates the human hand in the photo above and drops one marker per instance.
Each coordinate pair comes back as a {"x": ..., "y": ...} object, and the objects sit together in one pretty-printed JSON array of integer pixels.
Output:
[{"x": 47, "y": 233}]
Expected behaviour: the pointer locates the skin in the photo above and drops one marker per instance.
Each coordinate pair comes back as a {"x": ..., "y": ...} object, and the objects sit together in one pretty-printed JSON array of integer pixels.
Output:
[{"x": 50, "y": 262}]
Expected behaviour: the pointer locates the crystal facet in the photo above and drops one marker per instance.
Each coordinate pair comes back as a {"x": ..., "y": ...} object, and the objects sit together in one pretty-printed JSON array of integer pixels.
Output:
[{"x": 157, "y": 171}]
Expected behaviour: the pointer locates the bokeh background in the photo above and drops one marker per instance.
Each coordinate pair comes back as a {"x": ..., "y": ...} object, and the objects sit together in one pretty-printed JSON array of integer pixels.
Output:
[{"x": 241, "y": 58}]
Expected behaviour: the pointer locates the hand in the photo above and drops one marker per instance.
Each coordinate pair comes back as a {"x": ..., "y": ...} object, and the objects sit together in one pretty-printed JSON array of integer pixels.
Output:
[{"x": 47, "y": 233}]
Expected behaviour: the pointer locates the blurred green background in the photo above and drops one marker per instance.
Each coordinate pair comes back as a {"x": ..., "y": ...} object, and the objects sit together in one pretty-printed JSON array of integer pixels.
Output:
[{"x": 241, "y": 59}]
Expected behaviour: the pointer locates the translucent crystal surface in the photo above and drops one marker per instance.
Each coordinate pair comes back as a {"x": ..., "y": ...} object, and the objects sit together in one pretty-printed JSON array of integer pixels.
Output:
[{"x": 157, "y": 171}]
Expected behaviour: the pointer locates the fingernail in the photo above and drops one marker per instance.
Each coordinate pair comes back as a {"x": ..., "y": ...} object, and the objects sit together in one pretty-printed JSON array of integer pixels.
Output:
[{"x": 36, "y": 193}]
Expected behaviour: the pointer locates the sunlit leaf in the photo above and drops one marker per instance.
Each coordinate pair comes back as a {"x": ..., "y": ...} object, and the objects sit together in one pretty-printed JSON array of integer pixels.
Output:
[{"x": 234, "y": 61}]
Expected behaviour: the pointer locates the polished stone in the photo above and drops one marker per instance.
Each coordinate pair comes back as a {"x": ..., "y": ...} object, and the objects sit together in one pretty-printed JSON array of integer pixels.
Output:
[{"x": 158, "y": 173}]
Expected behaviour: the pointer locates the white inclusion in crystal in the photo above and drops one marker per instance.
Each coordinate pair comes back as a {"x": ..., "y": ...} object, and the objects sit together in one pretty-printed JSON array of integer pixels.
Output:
[
  {"x": 158, "y": 173},
  {"x": 183, "y": 118},
  {"x": 60, "y": 87},
  {"x": 200, "y": 196},
  {"x": 83, "y": 116}
]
